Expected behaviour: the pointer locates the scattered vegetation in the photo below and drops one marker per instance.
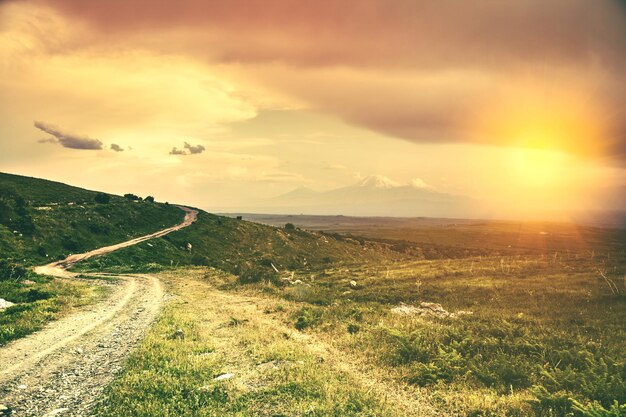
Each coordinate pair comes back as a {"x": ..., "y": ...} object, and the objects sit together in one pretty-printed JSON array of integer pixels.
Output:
[
  {"x": 545, "y": 338},
  {"x": 263, "y": 371}
]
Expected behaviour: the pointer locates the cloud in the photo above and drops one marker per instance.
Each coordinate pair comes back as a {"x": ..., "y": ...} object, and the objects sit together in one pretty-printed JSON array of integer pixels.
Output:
[
  {"x": 47, "y": 140},
  {"x": 194, "y": 149},
  {"x": 187, "y": 149},
  {"x": 117, "y": 148},
  {"x": 376, "y": 33},
  {"x": 420, "y": 183},
  {"x": 176, "y": 151},
  {"x": 424, "y": 71},
  {"x": 67, "y": 140}
]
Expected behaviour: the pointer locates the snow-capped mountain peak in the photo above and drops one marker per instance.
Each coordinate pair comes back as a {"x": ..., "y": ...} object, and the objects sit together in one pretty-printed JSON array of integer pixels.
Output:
[{"x": 377, "y": 181}]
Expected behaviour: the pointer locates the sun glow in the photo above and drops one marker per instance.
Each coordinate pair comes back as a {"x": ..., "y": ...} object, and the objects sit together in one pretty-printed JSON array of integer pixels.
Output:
[{"x": 539, "y": 168}]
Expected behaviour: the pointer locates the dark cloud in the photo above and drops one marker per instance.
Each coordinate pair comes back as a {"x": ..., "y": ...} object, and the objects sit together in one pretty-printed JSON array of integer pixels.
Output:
[
  {"x": 187, "y": 149},
  {"x": 194, "y": 149},
  {"x": 176, "y": 151},
  {"x": 67, "y": 140},
  {"x": 488, "y": 45},
  {"x": 378, "y": 32},
  {"x": 48, "y": 140},
  {"x": 117, "y": 148}
]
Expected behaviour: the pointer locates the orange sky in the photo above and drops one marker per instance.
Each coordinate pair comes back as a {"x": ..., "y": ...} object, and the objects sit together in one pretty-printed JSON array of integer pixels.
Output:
[{"x": 223, "y": 104}]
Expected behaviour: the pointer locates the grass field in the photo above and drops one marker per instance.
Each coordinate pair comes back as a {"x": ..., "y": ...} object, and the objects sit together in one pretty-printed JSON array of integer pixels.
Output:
[
  {"x": 546, "y": 337},
  {"x": 272, "y": 373}
]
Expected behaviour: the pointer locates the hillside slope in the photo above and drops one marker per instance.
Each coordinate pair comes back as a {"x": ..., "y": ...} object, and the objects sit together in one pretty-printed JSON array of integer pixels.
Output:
[
  {"x": 43, "y": 220},
  {"x": 243, "y": 248}
]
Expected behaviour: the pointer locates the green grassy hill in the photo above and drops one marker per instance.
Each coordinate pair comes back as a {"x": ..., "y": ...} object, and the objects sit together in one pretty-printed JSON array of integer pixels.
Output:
[
  {"x": 244, "y": 248},
  {"x": 41, "y": 220}
]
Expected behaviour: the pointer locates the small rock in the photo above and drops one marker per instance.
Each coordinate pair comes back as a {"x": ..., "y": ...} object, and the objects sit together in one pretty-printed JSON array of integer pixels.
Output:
[
  {"x": 5, "y": 411},
  {"x": 22, "y": 386},
  {"x": 5, "y": 304},
  {"x": 28, "y": 282},
  {"x": 275, "y": 364},
  {"x": 428, "y": 309},
  {"x": 57, "y": 411},
  {"x": 79, "y": 351},
  {"x": 224, "y": 377},
  {"x": 353, "y": 284},
  {"x": 179, "y": 334}
]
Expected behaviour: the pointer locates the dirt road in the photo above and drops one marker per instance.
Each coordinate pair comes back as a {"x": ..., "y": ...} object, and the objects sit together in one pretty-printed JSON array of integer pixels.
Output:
[
  {"x": 62, "y": 369},
  {"x": 59, "y": 268}
]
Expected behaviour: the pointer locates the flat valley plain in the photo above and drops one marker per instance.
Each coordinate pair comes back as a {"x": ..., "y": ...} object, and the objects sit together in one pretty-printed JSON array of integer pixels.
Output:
[{"x": 532, "y": 324}]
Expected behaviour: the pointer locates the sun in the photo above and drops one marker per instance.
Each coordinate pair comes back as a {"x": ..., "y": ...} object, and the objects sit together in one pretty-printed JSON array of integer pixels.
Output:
[{"x": 539, "y": 168}]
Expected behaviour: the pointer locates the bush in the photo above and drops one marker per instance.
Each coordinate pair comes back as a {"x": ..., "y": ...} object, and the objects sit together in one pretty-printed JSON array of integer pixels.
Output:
[
  {"x": 353, "y": 328},
  {"x": 35, "y": 294},
  {"x": 594, "y": 409},
  {"x": 308, "y": 317},
  {"x": 200, "y": 260},
  {"x": 11, "y": 271},
  {"x": 132, "y": 197},
  {"x": 253, "y": 273},
  {"x": 70, "y": 244},
  {"x": 290, "y": 227},
  {"x": 102, "y": 198},
  {"x": 149, "y": 199}
]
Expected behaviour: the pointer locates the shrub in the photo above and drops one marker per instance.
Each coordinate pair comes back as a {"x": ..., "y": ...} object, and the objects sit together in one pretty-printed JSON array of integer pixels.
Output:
[
  {"x": 253, "y": 273},
  {"x": 200, "y": 260},
  {"x": 35, "y": 294},
  {"x": 11, "y": 271},
  {"x": 308, "y": 317},
  {"x": 353, "y": 328},
  {"x": 290, "y": 227},
  {"x": 594, "y": 409},
  {"x": 70, "y": 244},
  {"x": 149, "y": 199},
  {"x": 132, "y": 197},
  {"x": 102, "y": 198}
]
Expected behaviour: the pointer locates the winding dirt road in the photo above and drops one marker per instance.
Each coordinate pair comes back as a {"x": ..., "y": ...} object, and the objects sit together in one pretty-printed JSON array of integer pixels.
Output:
[
  {"x": 59, "y": 268},
  {"x": 62, "y": 369}
]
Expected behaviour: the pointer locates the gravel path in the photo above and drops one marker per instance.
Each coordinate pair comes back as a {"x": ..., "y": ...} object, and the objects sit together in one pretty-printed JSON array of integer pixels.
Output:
[{"x": 62, "y": 369}]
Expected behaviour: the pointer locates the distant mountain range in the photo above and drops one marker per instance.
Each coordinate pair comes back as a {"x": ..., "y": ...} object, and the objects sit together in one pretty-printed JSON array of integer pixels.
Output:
[{"x": 374, "y": 195}]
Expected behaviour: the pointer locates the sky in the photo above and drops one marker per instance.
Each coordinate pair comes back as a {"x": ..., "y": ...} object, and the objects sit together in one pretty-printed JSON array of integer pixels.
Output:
[{"x": 223, "y": 104}]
